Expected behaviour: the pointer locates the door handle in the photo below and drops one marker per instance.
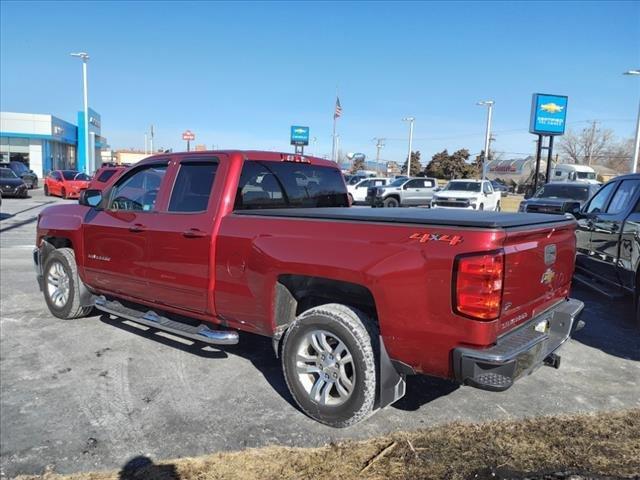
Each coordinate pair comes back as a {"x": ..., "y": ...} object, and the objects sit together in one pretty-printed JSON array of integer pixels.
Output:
[
  {"x": 137, "y": 228},
  {"x": 194, "y": 233}
]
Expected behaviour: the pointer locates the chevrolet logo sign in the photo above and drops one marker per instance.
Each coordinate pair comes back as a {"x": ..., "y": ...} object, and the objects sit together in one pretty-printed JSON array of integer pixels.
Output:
[{"x": 548, "y": 276}]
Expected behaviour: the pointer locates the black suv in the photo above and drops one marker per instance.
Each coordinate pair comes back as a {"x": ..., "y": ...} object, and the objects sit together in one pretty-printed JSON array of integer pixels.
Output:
[
  {"x": 559, "y": 198},
  {"x": 608, "y": 240},
  {"x": 21, "y": 170}
]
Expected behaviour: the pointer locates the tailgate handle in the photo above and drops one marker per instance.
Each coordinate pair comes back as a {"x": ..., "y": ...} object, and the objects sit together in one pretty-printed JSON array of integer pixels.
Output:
[
  {"x": 194, "y": 233},
  {"x": 137, "y": 228}
]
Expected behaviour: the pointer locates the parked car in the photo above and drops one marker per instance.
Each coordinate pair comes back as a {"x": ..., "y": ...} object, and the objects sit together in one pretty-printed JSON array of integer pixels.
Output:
[
  {"x": 358, "y": 192},
  {"x": 353, "y": 299},
  {"x": 608, "y": 240},
  {"x": 559, "y": 198},
  {"x": 12, "y": 185},
  {"x": 403, "y": 192},
  {"x": 65, "y": 183},
  {"x": 468, "y": 194},
  {"x": 104, "y": 176},
  {"x": 500, "y": 187},
  {"x": 22, "y": 171}
]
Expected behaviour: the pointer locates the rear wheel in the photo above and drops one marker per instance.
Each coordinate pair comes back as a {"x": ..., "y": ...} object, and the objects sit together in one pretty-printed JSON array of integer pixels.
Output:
[
  {"x": 62, "y": 285},
  {"x": 391, "y": 202},
  {"x": 330, "y": 366}
]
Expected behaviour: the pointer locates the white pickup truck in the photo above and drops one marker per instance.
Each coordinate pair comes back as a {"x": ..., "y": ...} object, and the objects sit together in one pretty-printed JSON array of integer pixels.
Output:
[{"x": 469, "y": 194}]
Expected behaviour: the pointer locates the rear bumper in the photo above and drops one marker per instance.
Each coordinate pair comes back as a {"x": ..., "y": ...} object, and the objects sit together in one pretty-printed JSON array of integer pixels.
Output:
[{"x": 520, "y": 352}]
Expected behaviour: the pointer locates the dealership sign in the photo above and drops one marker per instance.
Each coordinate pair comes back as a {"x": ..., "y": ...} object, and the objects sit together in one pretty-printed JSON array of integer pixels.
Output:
[
  {"x": 188, "y": 135},
  {"x": 299, "y": 135},
  {"x": 548, "y": 114}
]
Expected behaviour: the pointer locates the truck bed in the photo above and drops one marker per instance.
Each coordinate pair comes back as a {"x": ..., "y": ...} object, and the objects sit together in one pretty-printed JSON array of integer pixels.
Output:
[{"x": 419, "y": 216}]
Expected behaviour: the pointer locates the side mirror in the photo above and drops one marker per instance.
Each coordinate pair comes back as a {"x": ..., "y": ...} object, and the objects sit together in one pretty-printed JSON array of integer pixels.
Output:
[{"x": 90, "y": 198}]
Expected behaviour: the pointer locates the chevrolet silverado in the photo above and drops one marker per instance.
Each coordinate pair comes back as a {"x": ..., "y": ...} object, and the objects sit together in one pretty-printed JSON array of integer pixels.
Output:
[{"x": 206, "y": 244}]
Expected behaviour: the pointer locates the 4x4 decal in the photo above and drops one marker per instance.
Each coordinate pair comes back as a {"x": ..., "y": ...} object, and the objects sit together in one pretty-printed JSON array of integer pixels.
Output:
[{"x": 452, "y": 240}]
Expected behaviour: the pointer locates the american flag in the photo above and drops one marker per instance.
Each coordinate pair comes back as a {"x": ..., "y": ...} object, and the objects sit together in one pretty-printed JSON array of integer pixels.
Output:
[{"x": 338, "y": 112}]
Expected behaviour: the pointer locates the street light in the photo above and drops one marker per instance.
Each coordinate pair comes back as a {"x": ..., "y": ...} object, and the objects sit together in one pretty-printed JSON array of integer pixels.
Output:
[
  {"x": 85, "y": 57},
  {"x": 410, "y": 120},
  {"x": 636, "y": 148},
  {"x": 487, "y": 139}
]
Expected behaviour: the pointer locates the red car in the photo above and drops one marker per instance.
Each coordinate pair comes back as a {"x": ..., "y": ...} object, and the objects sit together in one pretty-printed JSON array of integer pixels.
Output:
[
  {"x": 353, "y": 299},
  {"x": 65, "y": 183}
]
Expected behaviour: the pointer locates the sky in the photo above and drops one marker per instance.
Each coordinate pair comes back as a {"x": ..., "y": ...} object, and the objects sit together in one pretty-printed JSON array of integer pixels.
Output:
[{"x": 239, "y": 75}]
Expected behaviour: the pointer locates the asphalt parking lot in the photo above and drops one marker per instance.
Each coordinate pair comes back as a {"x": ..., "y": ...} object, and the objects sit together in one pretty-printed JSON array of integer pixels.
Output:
[{"x": 92, "y": 393}]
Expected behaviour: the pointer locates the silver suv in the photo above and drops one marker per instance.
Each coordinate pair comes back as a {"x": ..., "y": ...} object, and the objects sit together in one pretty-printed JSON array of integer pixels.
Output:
[{"x": 403, "y": 192}]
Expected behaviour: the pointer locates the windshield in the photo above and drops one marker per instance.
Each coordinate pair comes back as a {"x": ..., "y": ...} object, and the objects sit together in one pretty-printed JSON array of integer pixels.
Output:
[
  {"x": 19, "y": 167},
  {"x": 463, "y": 186},
  {"x": 289, "y": 185},
  {"x": 355, "y": 179},
  {"x": 398, "y": 182},
  {"x": 576, "y": 192},
  {"x": 6, "y": 173},
  {"x": 586, "y": 175},
  {"x": 74, "y": 175}
]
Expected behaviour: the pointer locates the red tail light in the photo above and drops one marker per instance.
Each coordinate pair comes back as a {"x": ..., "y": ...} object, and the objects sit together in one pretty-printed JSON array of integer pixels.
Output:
[{"x": 478, "y": 285}]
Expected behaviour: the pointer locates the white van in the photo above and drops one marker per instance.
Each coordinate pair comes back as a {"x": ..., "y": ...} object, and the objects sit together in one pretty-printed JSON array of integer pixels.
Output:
[{"x": 567, "y": 172}]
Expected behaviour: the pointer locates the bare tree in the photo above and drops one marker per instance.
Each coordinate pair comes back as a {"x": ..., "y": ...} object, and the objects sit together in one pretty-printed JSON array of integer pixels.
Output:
[
  {"x": 589, "y": 146},
  {"x": 619, "y": 156}
]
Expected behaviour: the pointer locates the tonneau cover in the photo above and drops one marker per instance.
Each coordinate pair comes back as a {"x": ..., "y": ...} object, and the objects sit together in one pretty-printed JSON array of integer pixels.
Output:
[{"x": 421, "y": 216}]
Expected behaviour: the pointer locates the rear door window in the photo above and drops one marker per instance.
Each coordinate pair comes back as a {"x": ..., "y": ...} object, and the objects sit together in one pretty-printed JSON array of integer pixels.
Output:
[
  {"x": 192, "y": 187},
  {"x": 268, "y": 184}
]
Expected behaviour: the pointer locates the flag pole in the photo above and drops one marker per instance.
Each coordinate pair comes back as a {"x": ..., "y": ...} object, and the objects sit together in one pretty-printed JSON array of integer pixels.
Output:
[{"x": 333, "y": 138}]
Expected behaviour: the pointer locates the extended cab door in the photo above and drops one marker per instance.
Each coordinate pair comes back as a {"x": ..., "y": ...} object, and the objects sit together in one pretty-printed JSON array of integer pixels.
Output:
[
  {"x": 115, "y": 240},
  {"x": 607, "y": 231},
  {"x": 180, "y": 235}
]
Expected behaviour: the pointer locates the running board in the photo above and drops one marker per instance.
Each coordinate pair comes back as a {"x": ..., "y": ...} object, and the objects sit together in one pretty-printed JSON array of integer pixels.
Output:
[
  {"x": 201, "y": 333},
  {"x": 599, "y": 287}
]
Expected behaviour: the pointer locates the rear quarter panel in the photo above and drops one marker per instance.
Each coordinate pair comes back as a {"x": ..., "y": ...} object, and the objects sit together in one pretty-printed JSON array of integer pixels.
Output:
[{"x": 410, "y": 280}]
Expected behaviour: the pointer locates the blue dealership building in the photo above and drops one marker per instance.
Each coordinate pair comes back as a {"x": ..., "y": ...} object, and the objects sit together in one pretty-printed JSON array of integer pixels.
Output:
[{"x": 44, "y": 142}]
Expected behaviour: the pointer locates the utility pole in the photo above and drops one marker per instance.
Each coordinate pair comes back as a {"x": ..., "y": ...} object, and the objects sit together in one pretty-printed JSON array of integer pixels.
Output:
[
  {"x": 636, "y": 146},
  {"x": 410, "y": 120},
  {"x": 379, "y": 146},
  {"x": 151, "y": 140},
  {"x": 85, "y": 94},
  {"x": 591, "y": 142},
  {"x": 487, "y": 139}
]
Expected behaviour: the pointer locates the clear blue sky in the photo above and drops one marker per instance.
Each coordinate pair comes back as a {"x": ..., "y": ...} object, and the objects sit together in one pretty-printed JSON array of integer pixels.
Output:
[{"x": 239, "y": 74}]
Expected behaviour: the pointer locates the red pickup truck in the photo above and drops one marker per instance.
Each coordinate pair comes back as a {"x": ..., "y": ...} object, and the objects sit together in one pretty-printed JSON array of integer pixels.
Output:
[{"x": 207, "y": 244}]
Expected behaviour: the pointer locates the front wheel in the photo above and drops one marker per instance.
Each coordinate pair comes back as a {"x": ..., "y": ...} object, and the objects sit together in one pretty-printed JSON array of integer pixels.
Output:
[
  {"x": 46, "y": 190},
  {"x": 498, "y": 208},
  {"x": 62, "y": 285},
  {"x": 391, "y": 202},
  {"x": 330, "y": 366}
]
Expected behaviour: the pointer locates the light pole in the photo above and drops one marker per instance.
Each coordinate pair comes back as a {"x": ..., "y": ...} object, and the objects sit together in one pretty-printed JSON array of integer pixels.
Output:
[
  {"x": 410, "y": 120},
  {"x": 487, "y": 139},
  {"x": 636, "y": 147},
  {"x": 85, "y": 57}
]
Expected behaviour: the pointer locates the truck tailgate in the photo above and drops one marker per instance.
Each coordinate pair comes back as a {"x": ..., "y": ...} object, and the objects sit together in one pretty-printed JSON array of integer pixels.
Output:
[{"x": 539, "y": 265}]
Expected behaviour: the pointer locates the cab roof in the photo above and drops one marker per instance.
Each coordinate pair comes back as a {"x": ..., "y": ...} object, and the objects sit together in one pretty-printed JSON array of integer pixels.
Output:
[{"x": 246, "y": 155}]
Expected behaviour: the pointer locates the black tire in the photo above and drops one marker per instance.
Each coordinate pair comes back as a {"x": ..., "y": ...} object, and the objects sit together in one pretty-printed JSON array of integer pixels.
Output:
[
  {"x": 360, "y": 337},
  {"x": 63, "y": 193},
  {"x": 481, "y": 207},
  {"x": 351, "y": 202},
  {"x": 498, "y": 207},
  {"x": 391, "y": 202},
  {"x": 71, "y": 307},
  {"x": 46, "y": 190}
]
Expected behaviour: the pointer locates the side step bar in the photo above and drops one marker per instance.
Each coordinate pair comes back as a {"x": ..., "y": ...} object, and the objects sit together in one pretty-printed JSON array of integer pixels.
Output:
[
  {"x": 601, "y": 288},
  {"x": 201, "y": 333}
]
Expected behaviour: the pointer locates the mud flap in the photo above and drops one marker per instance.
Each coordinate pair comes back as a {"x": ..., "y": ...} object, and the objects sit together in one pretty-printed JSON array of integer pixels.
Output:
[{"x": 392, "y": 384}]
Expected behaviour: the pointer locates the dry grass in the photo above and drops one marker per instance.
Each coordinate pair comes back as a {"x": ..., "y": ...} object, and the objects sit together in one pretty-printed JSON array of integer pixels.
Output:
[
  {"x": 511, "y": 203},
  {"x": 602, "y": 444}
]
